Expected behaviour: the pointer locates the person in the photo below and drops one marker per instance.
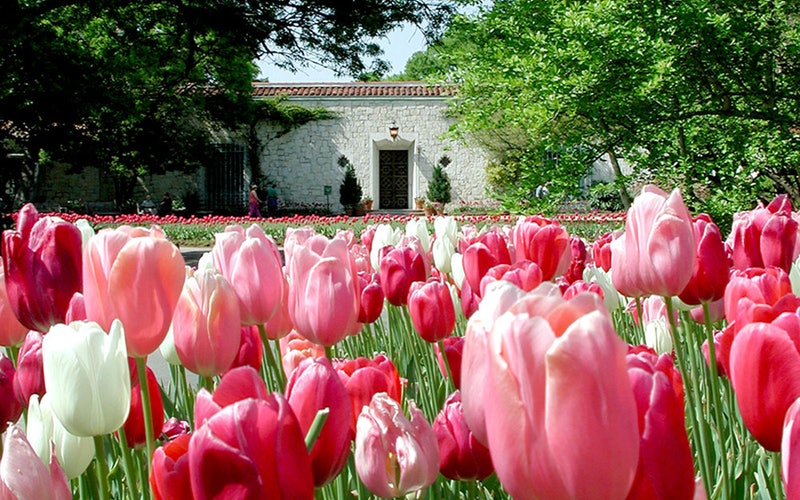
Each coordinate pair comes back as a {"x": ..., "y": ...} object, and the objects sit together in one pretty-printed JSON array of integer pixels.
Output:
[
  {"x": 542, "y": 191},
  {"x": 272, "y": 200},
  {"x": 254, "y": 201},
  {"x": 165, "y": 207},
  {"x": 148, "y": 206}
]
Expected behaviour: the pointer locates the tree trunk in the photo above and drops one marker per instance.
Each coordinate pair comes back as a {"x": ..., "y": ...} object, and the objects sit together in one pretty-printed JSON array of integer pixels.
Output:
[{"x": 619, "y": 179}]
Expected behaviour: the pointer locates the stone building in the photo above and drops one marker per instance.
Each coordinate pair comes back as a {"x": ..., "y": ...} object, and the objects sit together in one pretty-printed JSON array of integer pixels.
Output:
[{"x": 391, "y": 132}]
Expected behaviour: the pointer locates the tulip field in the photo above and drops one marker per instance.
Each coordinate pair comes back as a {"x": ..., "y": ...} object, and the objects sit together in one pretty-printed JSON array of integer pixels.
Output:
[{"x": 634, "y": 355}]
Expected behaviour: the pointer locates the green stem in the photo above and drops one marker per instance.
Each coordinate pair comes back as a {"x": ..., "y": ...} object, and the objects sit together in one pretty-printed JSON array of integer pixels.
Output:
[
  {"x": 13, "y": 353},
  {"x": 329, "y": 353},
  {"x": 316, "y": 427},
  {"x": 147, "y": 411},
  {"x": 452, "y": 383},
  {"x": 717, "y": 401},
  {"x": 126, "y": 463},
  {"x": 777, "y": 482},
  {"x": 102, "y": 468}
]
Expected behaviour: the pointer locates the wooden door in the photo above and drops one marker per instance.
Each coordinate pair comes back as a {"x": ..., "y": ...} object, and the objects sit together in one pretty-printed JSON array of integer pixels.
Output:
[{"x": 393, "y": 171}]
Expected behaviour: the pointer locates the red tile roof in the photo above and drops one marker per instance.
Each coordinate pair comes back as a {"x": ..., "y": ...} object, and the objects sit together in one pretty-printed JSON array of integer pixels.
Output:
[{"x": 354, "y": 89}]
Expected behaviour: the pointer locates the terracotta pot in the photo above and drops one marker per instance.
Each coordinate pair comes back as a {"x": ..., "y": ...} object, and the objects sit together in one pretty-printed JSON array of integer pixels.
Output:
[{"x": 419, "y": 204}]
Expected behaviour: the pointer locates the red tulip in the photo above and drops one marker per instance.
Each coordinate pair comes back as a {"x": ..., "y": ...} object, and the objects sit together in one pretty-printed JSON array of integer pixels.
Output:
[
  {"x": 174, "y": 428},
  {"x": 469, "y": 300},
  {"x": 650, "y": 258},
  {"x": 479, "y": 257},
  {"x": 431, "y": 308},
  {"x": 765, "y": 375},
  {"x": 556, "y": 366},
  {"x": 206, "y": 326},
  {"x": 395, "y": 456},
  {"x": 12, "y": 332},
  {"x": 575, "y": 270},
  {"x": 169, "y": 470},
  {"x": 665, "y": 466},
  {"x": 601, "y": 250},
  {"x": 324, "y": 298},
  {"x": 399, "y": 268},
  {"x": 462, "y": 457},
  {"x": 363, "y": 378},
  {"x": 42, "y": 263},
  {"x": 136, "y": 275},
  {"x": 250, "y": 261},
  {"x": 29, "y": 378},
  {"x": 10, "y": 407},
  {"x": 371, "y": 297},
  {"x": 711, "y": 268},
  {"x": 544, "y": 242},
  {"x": 134, "y": 424},
  {"x": 314, "y": 386},
  {"x": 251, "y": 449},
  {"x": 250, "y": 349},
  {"x": 765, "y": 236},
  {"x": 790, "y": 452},
  {"x": 453, "y": 351}
]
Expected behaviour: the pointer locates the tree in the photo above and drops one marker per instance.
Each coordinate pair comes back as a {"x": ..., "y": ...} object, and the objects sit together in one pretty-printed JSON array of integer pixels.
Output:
[
  {"x": 699, "y": 95},
  {"x": 439, "y": 186},
  {"x": 350, "y": 190},
  {"x": 143, "y": 86}
]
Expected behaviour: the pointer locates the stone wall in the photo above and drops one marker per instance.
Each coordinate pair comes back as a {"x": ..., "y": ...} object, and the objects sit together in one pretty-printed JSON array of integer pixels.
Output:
[{"x": 304, "y": 160}]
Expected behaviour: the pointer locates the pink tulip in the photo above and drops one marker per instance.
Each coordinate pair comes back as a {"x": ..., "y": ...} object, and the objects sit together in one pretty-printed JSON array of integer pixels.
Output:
[
  {"x": 431, "y": 308},
  {"x": 236, "y": 385},
  {"x": 23, "y": 475},
  {"x": 250, "y": 261},
  {"x": 295, "y": 348},
  {"x": 579, "y": 258},
  {"x": 395, "y": 455},
  {"x": 12, "y": 332},
  {"x": 312, "y": 387},
  {"x": 650, "y": 258},
  {"x": 765, "y": 236},
  {"x": 765, "y": 375},
  {"x": 790, "y": 452},
  {"x": 136, "y": 275},
  {"x": 253, "y": 448},
  {"x": 665, "y": 466},
  {"x": 580, "y": 286},
  {"x": 399, "y": 268},
  {"x": 10, "y": 406},
  {"x": 250, "y": 351},
  {"x": 711, "y": 268},
  {"x": 462, "y": 457},
  {"x": 29, "y": 378},
  {"x": 363, "y": 378},
  {"x": 544, "y": 242},
  {"x": 768, "y": 288},
  {"x": 169, "y": 470},
  {"x": 42, "y": 263},
  {"x": 371, "y": 297},
  {"x": 206, "y": 325},
  {"x": 601, "y": 250},
  {"x": 482, "y": 255},
  {"x": 324, "y": 298},
  {"x": 281, "y": 323},
  {"x": 556, "y": 366},
  {"x": 523, "y": 273}
]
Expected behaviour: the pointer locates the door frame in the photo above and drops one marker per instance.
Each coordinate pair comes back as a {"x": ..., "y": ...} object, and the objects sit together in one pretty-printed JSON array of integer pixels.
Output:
[{"x": 406, "y": 141}]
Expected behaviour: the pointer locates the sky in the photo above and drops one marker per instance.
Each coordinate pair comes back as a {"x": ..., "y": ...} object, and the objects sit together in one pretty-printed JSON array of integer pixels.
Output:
[{"x": 398, "y": 46}]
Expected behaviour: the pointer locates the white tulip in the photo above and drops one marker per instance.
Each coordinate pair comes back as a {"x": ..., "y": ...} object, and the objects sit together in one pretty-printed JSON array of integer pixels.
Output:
[{"x": 45, "y": 433}]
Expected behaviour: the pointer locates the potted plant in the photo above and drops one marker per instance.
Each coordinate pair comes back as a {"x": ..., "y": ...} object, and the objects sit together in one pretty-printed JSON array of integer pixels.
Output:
[
  {"x": 419, "y": 203},
  {"x": 428, "y": 208},
  {"x": 367, "y": 202},
  {"x": 350, "y": 190},
  {"x": 439, "y": 186}
]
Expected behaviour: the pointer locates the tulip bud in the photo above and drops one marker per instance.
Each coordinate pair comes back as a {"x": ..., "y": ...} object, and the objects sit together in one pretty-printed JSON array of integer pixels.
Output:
[
  {"x": 766, "y": 236},
  {"x": 431, "y": 309},
  {"x": 371, "y": 298},
  {"x": 10, "y": 406},
  {"x": 363, "y": 378},
  {"x": 23, "y": 475},
  {"x": 134, "y": 425},
  {"x": 86, "y": 373},
  {"x": 711, "y": 268},
  {"x": 399, "y": 267},
  {"x": 544, "y": 242},
  {"x": 169, "y": 470},
  {"x": 462, "y": 457},
  {"x": 12, "y": 332},
  {"x": 251, "y": 349},
  {"x": 29, "y": 378}
]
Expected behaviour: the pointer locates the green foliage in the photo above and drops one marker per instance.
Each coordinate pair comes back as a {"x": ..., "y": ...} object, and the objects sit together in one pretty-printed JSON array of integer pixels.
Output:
[
  {"x": 604, "y": 196},
  {"x": 350, "y": 190},
  {"x": 439, "y": 189}
]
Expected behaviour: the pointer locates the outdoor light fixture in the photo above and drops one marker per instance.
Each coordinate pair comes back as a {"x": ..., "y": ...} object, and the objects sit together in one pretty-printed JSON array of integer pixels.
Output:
[{"x": 394, "y": 129}]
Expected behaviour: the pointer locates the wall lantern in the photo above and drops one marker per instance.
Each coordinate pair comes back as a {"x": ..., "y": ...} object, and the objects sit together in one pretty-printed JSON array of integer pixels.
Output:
[{"x": 394, "y": 130}]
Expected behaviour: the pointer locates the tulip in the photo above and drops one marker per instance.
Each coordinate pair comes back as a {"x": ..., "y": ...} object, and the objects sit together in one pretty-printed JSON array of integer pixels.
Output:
[
  {"x": 295, "y": 348},
  {"x": 462, "y": 457},
  {"x": 399, "y": 267},
  {"x": 363, "y": 378},
  {"x": 251, "y": 350},
  {"x": 371, "y": 297},
  {"x": 384, "y": 235},
  {"x": 431, "y": 308},
  {"x": 765, "y": 236},
  {"x": 665, "y": 467},
  {"x": 10, "y": 405},
  {"x": 77, "y": 309},
  {"x": 556, "y": 366},
  {"x": 86, "y": 374},
  {"x": 611, "y": 297},
  {"x": 650, "y": 258},
  {"x": 477, "y": 258},
  {"x": 259, "y": 446},
  {"x": 523, "y": 273},
  {"x": 24, "y": 476},
  {"x": 324, "y": 298},
  {"x": 312, "y": 387},
  {"x": 418, "y": 228},
  {"x": 769, "y": 288},
  {"x": 765, "y": 375},
  {"x": 251, "y": 263},
  {"x": 444, "y": 245},
  {"x": 790, "y": 452},
  {"x": 12, "y": 332},
  {"x": 601, "y": 250},
  {"x": 711, "y": 268},
  {"x": 578, "y": 263},
  {"x": 206, "y": 326},
  {"x": 49, "y": 439},
  {"x": 29, "y": 378},
  {"x": 453, "y": 353},
  {"x": 174, "y": 428},
  {"x": 470, "y": 301},
  {"x": 544, "y": 242},
  {"x": 395, "y": 455},
  {"x": 42, "y": 263},
  {"x": 134, "y": 424},
  {"x": 135, "y": 275},
  {"x": 580, "y": 286},
  {"x": 281, "y": 323},
  {"x": 169, "y": 470},
  {"x": 86, "y": 229}
]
